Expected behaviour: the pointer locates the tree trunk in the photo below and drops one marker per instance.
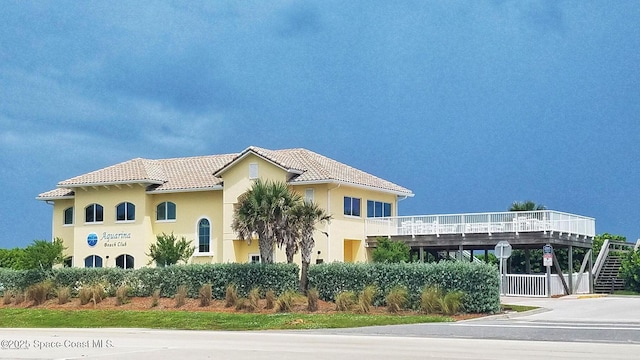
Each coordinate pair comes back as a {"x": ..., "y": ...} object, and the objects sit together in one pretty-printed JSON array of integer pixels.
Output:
[
  {"x": 304, "y": 277},
  {"x": 266, "y": 250}
]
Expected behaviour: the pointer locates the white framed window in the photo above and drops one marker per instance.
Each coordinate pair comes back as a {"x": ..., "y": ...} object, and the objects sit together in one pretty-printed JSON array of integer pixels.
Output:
[
  {"x": 253, "y": 171},
  {"x": 124, "y": 261},
  {"x": 378, "y": 209},
  {"x": 92, "y": 261},
  {"x": 166, "y": 211},
  {"x": 254, "y": 258},
  {"x": 125, "y": 211},
  {"x": 309, "y": 195},
  {"x": 93, "y": 213},
  {"x": 204, "y": 236},
  {"x": 351, "y": 206},
  {"x": 68, "y": 216}
]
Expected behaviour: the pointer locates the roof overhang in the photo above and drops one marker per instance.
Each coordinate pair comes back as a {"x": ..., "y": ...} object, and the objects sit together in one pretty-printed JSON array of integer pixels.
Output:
[
  {"x": 171, "y": 191},
  {"x": 65, "y": 197},
  {"x": 112, "y": 183},
  {"x": 359, "y": 186}
]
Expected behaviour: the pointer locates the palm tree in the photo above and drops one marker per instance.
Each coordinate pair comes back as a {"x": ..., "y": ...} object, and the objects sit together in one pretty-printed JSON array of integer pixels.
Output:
[
  {"x": 306, "y": 216},
  {"x": 264, "y": 210},
  {"x": 526, "y": 206}
]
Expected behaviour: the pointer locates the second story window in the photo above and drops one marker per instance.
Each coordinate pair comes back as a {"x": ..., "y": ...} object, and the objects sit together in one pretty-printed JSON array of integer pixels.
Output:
[
  {"x": 166, "y": 211},
  {"x": 125, "y": 211},
  {"x": 351, "y": 206},
  {"x": 93, "y": 213},
  {"x": 378, "y": 209},
  {"x": 68, "y": 216}
]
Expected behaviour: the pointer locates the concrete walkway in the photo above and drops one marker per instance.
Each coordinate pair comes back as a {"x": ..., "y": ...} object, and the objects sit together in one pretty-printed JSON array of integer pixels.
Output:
[{"x": 580, "y": 308}]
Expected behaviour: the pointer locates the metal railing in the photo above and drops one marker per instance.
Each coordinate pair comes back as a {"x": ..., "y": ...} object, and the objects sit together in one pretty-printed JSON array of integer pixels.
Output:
[
  {"x": 607, "y": 247},
  {"x": 536, "y": 285},
  {"x": 482, "y": 223}
]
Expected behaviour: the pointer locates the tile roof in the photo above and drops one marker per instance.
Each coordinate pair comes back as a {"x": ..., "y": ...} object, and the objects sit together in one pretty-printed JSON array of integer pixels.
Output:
[{"x": 196, "y": 173}]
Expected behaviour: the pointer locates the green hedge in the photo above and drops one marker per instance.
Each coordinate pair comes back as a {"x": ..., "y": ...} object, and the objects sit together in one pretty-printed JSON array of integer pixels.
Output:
[
  {"x": 480, "y": 282},
  {"x": 276, "y": 277}
]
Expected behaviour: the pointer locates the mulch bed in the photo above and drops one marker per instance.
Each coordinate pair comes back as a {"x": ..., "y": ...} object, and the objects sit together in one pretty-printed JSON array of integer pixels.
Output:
[{"x": 169, "y": 304}]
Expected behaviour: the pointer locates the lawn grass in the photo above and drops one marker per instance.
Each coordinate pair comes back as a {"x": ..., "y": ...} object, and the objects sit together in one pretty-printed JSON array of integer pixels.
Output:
[
  {"x": 193, "y": 320},
  {"x": 625, "y": 292},
  {"x": 517, "y": 308}
]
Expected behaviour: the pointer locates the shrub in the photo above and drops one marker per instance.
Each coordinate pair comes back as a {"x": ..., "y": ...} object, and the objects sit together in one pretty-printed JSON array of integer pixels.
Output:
[
  {"x": 64, "y": 294},
  {"x": 84, "y": 294},
  {"x": 181, "y": 295},
  {"x": 97, "y": 293},
  {"x": 285, "y": 301},
  {"x": 39, "y": 293},
  {"x": 345, "y": 300},
  {"x": 252, "y": 299},
  {"x": 278, "y": 277},
  {"x": 390, "y": 251},
  {"x": 270, "y": 298},
  {"x": 630, "y": 270},
  {"x": 397, "y": 298},
  {"x": 430, "y": 299},
  {"x": 7, "y": 297},
  {"x": 365, "y": 300},
  {"x": 19, "y": 298},
  {"x": 231, "y": 296},
  {"x": 241, "y": 303},
  {"x": 155, "y": 298},
  {"x": 122, "y": 294},
  {"x": 451, "y": 302},
  {"x": 479, "y": 282},
  {"x": 312, "y": 299},
  {"x": 205, "y": 295}
]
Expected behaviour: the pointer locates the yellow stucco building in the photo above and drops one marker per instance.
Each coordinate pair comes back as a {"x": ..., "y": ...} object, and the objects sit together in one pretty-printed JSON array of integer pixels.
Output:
[{"x": 109, "y": 217}]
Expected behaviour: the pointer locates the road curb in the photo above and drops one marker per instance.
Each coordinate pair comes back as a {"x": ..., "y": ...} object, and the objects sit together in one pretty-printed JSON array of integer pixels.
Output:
[{"x": 509, "y": 315}]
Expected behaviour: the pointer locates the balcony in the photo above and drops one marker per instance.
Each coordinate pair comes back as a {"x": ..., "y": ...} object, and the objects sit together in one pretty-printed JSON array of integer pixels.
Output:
[{"x": 544, "y": 221}]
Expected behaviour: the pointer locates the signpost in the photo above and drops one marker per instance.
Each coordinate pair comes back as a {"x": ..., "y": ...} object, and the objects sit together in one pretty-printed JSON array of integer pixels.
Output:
[
  {"x": 547, "y": 261},
  {"x": 502, "y": 252}
]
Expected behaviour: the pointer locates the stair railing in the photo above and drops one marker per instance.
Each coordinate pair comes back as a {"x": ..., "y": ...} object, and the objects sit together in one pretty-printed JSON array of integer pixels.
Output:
[
  {"x": 602, "y": 256},
  {"x": 607, "y": 246}
]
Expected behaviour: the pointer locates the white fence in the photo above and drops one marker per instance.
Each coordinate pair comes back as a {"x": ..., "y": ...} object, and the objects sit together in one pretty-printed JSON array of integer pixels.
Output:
[
  {"x": 536, "y": 285},
  {"x": 482, "y": 223}
]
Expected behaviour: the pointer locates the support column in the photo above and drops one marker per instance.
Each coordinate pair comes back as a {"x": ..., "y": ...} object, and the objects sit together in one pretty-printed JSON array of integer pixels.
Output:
[
  {"x": 421, "y": 254},
  {"x": 471, "y": 256},
  {"x": 486, "y": 256},
  {"x": 570, "y": 271},
  {"x": 460, "y": 250},
  {"x": 591, "y": 284},
  {"x": 527, "y": 261}
]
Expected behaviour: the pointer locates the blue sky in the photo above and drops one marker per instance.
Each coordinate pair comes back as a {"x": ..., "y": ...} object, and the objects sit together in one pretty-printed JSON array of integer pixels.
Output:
[{"x": 472, "y": 105}]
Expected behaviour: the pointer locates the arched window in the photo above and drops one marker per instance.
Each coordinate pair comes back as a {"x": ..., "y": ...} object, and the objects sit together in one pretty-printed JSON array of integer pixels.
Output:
[
  {"x": 125, "y": 211},
  {"x": 124, "y": 261},
  {"x": 166, "y": 211},
  {"x": 204, "y": 236},
  {"x": 68, "y": 216},
  {"x": 92, "y": 261},
  {"x": 93, "y": 213}
]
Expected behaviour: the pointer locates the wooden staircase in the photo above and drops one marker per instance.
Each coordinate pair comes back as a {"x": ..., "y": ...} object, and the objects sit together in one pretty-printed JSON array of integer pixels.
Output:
[{"x": 609, "y": 279}]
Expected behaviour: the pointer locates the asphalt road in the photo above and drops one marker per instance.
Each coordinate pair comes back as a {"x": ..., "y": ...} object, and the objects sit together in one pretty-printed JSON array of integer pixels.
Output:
[{"x": 568, "y": 328}]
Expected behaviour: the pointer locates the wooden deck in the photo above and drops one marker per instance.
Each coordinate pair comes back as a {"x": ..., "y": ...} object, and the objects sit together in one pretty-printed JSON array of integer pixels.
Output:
[{"x": 482, "y": 231}]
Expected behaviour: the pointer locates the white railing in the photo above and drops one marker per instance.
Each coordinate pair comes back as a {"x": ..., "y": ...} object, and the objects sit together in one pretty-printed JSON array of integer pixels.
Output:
[
  {"x": 536, "y": 285},
  {"x": 482, "y": 223}
]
